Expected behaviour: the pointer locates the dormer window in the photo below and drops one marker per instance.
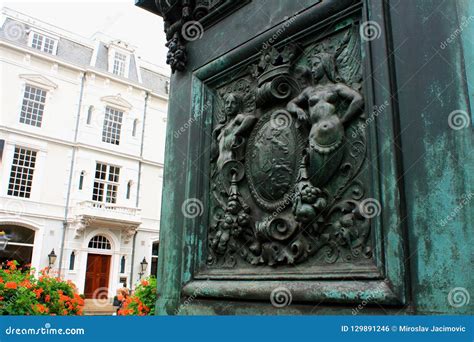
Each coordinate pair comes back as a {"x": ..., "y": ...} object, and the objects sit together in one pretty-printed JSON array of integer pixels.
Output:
[
  {"x": 119, "y": 56},
  {"x": 43, "y": 43},
  {"x": 120, "y": 61}
]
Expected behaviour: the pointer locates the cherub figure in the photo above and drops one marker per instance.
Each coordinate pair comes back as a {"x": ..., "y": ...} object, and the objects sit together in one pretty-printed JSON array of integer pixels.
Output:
[{"x": 236, "y": 220}]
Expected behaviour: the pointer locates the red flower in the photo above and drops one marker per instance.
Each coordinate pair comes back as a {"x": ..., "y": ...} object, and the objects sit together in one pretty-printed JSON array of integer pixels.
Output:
[
  {"x": 11, "y": 264},
  {"x": 11, "y": 285},
  {"x": 47, "y": 299},
  {"x": 41, "y": 308},
  {"x": 38, "y": 292},
  {"x": 26, "y": 283}
]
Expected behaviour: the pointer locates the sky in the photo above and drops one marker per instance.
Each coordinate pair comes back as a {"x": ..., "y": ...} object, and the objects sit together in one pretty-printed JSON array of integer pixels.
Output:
[{"x": 120, "y": 19}]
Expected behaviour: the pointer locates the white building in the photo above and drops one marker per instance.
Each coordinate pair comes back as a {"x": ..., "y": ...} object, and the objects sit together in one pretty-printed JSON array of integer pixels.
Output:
[{"x": 82, "y": 129}]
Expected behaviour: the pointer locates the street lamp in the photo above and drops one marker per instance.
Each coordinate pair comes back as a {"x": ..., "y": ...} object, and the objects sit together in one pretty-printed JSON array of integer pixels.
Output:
[
  {"x": 3, "y": 240},
  {"x": 52, "y": 258},
  {"x": 143, "y": 266}
]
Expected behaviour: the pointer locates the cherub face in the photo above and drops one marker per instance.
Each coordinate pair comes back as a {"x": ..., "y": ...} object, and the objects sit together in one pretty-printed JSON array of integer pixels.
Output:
[{"x": 231, "y": 105}]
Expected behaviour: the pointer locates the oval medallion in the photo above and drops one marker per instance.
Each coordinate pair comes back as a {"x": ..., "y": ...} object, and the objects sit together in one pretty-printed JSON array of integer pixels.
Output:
[{"x": 274, "y": 152}]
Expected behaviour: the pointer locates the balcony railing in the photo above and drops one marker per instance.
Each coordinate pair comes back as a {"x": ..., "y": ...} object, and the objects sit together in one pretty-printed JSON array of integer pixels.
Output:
[{"x": 108, "y": 211}]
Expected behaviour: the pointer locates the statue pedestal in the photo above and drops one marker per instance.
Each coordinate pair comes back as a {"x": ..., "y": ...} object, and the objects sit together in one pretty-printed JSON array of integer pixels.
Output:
[{"x": 294, "y": 183}]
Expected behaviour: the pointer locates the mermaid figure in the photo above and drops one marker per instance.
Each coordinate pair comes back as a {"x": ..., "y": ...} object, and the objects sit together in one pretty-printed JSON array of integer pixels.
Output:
[{"x": 319, "y": 107}]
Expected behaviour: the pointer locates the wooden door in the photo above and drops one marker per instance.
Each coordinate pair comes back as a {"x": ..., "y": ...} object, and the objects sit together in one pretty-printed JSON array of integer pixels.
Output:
[{"x": 97, "y": 276}]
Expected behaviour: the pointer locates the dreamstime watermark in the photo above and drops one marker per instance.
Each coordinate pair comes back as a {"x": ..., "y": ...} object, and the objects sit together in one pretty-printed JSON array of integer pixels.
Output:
[
  {"x": 466, "y": 198},
  {"x": 370, "y": 30},
  {"x": 102, "y": 292},
  {"x": 458, "y": 297},
  {"x": 192, "y": 208},
  {"x": 190, "y": 299},
  {"x": 288, "y": 21},
  {"x": 95, "y": 118},
  {"x": 191, "y": 120},
  {"x": 371, "y": 297},
  {"x": 464, "y": 23},
  {"x": 281, "y": 297},
  {"x": 46, "y": 330},
  {"x": 375, "y": 113},
  {"x": 281, "y": 120},
  {"x": 192, "y": 30},
  {"x": 13, "y": 207},
  {"x": 14, "y": 30},
  {"x": 458, "y": 119},
  {"x": 370, "y": 207},
  {"x": 288, "y": 199}
]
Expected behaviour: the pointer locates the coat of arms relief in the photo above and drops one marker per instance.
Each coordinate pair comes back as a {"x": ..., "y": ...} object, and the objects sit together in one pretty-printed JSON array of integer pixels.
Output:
[{"x": 289, "y": 166}]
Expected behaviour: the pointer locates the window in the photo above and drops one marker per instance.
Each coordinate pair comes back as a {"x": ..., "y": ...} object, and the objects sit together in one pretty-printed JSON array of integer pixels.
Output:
[
  {"x": 154, "y": 258},
  {"x": 81, "y": 180},
  {"x": 43, "y": 43},
  {"x": 21, "y": 176},
  {"x": 2, "y": 146},
  {"x": 106, "y": 183},
  {"x": 135, "y": 126},
  {"x": 112, "y": 126},
  {"x": 32, "y": 107},
  {"x": 89, "y": 114},
  {"x": 72, "y": 260},
  {"x": 129, "y": 189},
  {"x": 122, "y": 264},
  {"x": 20, "y": 245},
  {"x": 99, "y": 242},
  {"x": 119, "y": 64}
]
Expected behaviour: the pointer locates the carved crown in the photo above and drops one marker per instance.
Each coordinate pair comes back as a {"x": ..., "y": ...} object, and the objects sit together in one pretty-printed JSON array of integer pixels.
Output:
[{"x": 274, "y": 62}]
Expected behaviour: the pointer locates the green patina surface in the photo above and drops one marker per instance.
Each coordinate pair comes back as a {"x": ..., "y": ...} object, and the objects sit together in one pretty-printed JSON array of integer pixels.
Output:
[
  {"x": 428, "y": 170},
  {"x": 439, "y": 168}
]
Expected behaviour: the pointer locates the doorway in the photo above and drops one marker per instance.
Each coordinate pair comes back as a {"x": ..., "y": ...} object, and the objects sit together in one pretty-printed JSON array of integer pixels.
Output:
[{"x": 97, "y": 276}]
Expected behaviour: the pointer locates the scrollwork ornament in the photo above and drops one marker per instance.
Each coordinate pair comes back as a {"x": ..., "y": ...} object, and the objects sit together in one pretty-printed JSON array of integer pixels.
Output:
[{"x": 287, "y": 171}]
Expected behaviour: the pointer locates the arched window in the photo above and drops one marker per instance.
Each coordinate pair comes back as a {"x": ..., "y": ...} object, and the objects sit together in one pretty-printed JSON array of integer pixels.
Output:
[
  {"x": 89, "y": 114},
  {"x": 129, "y": 189},
  {"x": 135, "y": 127},
  {"x": 100, "y": 242},
  {"x": 81, "y": 179},
  {"x": 122, "y": 264},
  {"x": 16, "y": 243},
  {"x": 72, "y": 260}
]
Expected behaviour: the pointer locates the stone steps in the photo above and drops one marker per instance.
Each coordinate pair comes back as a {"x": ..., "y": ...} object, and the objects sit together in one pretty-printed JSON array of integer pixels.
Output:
[{"x": 99, "y": 307}]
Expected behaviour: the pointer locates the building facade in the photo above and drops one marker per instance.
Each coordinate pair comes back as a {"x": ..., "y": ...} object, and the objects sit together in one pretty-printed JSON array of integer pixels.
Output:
[{"x": 82, "y": 130}]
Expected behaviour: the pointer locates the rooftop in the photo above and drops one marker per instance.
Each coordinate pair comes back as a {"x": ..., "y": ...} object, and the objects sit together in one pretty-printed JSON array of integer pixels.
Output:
[{"x": 102, "y": 52}]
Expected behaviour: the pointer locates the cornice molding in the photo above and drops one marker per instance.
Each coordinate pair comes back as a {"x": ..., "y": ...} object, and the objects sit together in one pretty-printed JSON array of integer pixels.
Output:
[
  {"x": 117, "y": 101},
  {"x": 39, "y": 80}
]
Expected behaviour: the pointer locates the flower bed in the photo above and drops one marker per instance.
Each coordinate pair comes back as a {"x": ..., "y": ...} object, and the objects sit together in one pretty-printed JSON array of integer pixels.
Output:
[
  {"x": 142, "y": 302},
  {"x": 21, "y": 293}
]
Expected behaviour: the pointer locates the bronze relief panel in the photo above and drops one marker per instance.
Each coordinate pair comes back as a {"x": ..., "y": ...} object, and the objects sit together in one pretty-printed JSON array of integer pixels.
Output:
[{"x": 290, "y": 177}]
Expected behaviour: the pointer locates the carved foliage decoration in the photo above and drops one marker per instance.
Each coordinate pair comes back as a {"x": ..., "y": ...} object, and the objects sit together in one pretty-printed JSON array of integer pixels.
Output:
[
  {"x": 185, "y": 20},
  {"x": 288, "y": 173}
]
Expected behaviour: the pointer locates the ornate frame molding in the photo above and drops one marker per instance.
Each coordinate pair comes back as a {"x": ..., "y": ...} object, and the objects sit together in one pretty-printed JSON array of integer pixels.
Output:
[{"x": 385, "y": 281}]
